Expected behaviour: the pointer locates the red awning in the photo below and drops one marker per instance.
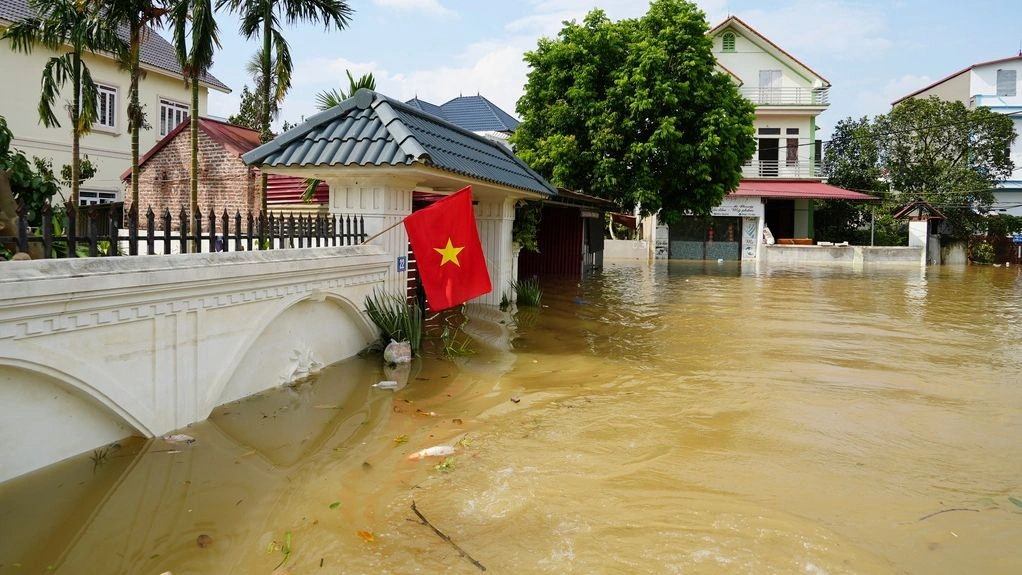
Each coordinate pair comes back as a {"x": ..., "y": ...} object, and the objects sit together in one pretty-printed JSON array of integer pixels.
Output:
[
  {"x": 625, "y": 220},
  {"x": 789, "y": 190}
]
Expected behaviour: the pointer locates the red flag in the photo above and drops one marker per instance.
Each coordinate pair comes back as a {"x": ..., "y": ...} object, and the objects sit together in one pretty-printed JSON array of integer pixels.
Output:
[{"x": 447, "y": 251}]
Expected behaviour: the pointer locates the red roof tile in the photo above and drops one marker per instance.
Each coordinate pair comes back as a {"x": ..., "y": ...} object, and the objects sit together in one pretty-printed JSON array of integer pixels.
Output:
[{"x": 788, "y": 189}]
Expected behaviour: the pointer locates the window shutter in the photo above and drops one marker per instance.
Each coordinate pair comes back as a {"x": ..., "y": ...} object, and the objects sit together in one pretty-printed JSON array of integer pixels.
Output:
[{"x": 1007, "y": 83}]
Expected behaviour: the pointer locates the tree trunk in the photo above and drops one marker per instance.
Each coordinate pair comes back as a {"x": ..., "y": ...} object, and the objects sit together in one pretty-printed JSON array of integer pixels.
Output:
[
  {"x": 134, "y": 111},
  {"x": 195, "y": 157},
  {"x": 76, "y": 131},
  {"x": 265, "y": 128}
]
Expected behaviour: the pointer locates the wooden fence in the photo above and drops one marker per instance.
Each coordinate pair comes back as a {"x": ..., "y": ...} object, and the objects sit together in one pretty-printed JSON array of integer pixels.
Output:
[{"x": 165, "y": 234}]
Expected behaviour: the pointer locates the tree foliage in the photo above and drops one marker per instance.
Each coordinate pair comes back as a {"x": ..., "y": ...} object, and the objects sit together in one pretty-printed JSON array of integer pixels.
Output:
[
  {"x": 329, "y": 98},
  {"x": 635, "y": 111},
  {"x": 32, "y": 182},
  {"x": 248, "y": 110},
  {"x": 941, "y": 152},
  {"x": 263, "y": 19},
  {"x": 70, "y": 28}
]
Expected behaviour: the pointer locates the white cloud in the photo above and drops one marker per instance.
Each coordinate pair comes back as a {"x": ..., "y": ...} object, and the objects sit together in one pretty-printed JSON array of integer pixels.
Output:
[
  {"x": 430, "y": 6},
  {"x": 848, "y": 31}
]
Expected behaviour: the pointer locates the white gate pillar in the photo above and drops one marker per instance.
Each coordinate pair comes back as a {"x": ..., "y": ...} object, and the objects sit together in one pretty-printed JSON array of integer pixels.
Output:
[
  {"x": 382, "y": 202},
  {"x": 494, "y": 219}
]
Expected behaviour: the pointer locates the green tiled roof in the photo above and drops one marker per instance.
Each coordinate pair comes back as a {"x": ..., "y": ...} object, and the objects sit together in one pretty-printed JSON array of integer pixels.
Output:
[{"x": 370, "y": 129}]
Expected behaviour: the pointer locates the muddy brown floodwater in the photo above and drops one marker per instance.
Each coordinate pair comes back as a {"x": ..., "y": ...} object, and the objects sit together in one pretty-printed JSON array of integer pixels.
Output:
[{"x": 679, "y": 418}]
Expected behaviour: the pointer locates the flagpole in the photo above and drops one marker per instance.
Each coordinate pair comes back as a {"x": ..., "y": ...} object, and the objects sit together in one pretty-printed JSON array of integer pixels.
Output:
[{"x": 383, "y": 231}]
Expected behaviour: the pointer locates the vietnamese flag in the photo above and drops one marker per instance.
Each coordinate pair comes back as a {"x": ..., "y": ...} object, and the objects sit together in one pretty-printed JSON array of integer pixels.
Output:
[{"x": 447, "y": 251}]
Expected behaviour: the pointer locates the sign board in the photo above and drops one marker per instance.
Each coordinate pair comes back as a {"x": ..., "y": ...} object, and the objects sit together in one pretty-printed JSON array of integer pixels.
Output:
[
  {"x": 739, "y": 208},
  {"x": 402, "y": 263},
  {"x": 1017, "y": 239}
]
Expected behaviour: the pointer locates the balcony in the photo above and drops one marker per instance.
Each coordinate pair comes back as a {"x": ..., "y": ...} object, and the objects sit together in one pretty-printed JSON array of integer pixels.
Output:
[
  {"x": 782, "y": 169},
  {"x": 787, "y": 96}
]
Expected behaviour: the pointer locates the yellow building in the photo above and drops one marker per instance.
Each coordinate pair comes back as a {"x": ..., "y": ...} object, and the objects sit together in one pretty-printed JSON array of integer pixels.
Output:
[{"x": 162, "y": 93}]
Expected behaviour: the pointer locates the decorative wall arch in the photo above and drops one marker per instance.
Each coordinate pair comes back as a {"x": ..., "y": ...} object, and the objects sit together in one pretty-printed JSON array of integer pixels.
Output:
[{"x": 259, "y": 342}]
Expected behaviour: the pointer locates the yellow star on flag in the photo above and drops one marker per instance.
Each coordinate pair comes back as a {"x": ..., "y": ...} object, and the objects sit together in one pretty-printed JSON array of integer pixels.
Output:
[{"x": 449, "y": 253}]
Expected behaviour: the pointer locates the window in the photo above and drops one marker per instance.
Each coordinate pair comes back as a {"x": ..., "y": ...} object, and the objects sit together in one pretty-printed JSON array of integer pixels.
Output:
[
  {"x": 92, "y": 197},
  {"x": 728, "y": 41},
  {"x": 769, "y": 86},
  {"x": 1007, "y": 82},
  {"x": 106, "y": 106},
  {"x": 791, "y": 157},
  {"x": 171, "y": 114}
]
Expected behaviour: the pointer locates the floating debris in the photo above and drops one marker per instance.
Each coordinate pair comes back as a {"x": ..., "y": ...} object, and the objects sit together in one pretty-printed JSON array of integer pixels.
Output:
[
  {"x": 203, "y": 541},
  {"x": 435, "y": 451},
  {"x": 387, "y": 385},
  {"x": 179, "y": 438}
]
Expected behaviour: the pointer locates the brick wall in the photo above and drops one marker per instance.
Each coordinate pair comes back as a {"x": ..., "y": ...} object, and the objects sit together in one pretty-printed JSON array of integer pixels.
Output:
[{"x": 225, "y": 182}]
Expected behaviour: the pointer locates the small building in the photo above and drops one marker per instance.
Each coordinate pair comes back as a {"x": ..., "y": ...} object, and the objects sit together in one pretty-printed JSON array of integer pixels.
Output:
[
  {"x": 376, "y": 153},
  {"x": 225, "y": 182}
]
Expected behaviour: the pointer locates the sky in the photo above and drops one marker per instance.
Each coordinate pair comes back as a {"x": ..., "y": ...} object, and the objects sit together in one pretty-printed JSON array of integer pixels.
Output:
[{"x": 871, "y": 51}]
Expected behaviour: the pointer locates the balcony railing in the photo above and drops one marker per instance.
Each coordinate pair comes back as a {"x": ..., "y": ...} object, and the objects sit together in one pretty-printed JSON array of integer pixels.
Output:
[
  {"x": 782, "y": 169},
  {"x": 787, "y": 96}
]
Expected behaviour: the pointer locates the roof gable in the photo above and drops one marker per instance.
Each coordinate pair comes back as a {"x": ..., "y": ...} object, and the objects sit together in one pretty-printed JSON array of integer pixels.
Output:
[
  {"x": 956, "y": 74},
  {"x": 370, "y": 129},
  {"x": 155, "y": 52},
  {"x": 236, "y": 139},
  {"x": 751, "y": 34}
]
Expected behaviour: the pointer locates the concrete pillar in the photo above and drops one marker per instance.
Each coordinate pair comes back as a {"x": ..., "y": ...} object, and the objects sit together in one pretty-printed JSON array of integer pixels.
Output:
[
  {"x": 494, "y": 219},
  {"x": 382, "y": 202},
  {"x": 918, "y": 234}
]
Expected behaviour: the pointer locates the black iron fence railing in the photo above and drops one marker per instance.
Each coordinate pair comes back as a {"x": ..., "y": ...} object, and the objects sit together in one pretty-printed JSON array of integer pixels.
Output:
[{"x": 68, "y": 232}]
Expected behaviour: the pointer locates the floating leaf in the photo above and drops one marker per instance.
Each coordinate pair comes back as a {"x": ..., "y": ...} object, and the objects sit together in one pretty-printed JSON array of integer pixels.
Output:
[
  {"x": 366, "y": 536},
  {"x": 1017, "y": 502},
  {"x": 465, "y": 442},
  {"x": 987, "y": 501},
  {"x": 445, "y": 466},
  {"x": 335, "y": 505},
  {"x": 400, "y": 439}
]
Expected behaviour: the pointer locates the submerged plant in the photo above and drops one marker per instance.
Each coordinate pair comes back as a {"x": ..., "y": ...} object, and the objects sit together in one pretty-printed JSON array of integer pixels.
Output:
[
  {"x": 528, "y": 292},
  {"x": 397, "y": 318}
]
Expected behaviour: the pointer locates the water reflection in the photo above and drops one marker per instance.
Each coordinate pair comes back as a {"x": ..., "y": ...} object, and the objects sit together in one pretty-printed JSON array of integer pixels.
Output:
[{"x": 683, "y": 417}]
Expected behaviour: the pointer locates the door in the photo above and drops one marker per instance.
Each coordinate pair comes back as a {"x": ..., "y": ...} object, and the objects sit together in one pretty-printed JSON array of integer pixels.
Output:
[
  {"x": 768, "y": 157},
  {"x": 770, "y": 87}
]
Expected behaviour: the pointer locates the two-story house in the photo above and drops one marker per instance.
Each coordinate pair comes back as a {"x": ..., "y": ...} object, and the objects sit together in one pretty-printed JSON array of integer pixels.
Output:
[
  {"x": 996, "y": 85},
  {"x": 161, "y": 91},
  {"x": 783, "y": 179}
]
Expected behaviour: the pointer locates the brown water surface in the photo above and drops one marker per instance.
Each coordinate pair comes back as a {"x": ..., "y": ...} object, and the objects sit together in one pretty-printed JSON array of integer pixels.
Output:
[{"x": 680, "y": 418}]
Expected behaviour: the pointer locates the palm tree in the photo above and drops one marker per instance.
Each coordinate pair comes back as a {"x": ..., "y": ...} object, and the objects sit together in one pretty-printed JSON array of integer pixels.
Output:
[
  {"x": 196, "y": 59},
  {"x": 263, "y": 18},
  {"x": 139, "y": 16},
  {"x": 330, "y": 98},
  {"x": 78, "y": 28}
]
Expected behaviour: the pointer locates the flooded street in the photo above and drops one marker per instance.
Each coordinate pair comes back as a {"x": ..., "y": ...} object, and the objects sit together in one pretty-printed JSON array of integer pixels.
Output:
[{"x": 681, "y": 418}]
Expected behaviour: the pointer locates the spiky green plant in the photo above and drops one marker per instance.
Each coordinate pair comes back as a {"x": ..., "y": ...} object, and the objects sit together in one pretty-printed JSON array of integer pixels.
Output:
[
  {"x": 396, "y": 318},
  {"x": 528, "y": 292}
]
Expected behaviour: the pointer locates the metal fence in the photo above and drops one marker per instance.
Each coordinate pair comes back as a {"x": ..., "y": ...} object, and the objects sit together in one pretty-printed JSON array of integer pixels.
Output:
[{"x": 63, "y": 236}]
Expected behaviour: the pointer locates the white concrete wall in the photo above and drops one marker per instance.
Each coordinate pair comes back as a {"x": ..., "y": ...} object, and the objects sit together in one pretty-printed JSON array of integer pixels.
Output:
[
  {"x": 625, "y": 250},
  {"x": 94, "y": 349}
]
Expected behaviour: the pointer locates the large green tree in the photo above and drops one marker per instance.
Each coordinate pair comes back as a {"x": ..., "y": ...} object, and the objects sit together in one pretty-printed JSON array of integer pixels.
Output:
[
  {"x": 942, "y": 152},
  {"x": 636, "y": 112},
  {"x": 949, "y": 155},
  {"x": 248, "y": 110},
  {"x": 852, "y": 161},
  {"x": 139, "y": 17},
  {"x": 263, "y": 19},
  {"x": 195, "y": 18},
  {"x": 71, "y": 28}
]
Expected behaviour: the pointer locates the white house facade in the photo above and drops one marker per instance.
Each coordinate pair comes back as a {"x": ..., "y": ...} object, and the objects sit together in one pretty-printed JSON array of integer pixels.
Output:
[
  {"x": 783, "y": 178},
  {"x": 996, "y": 84},
  {"x": 161, "y": 91}
]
